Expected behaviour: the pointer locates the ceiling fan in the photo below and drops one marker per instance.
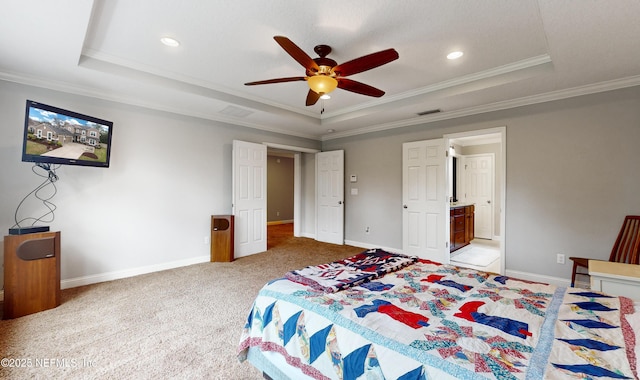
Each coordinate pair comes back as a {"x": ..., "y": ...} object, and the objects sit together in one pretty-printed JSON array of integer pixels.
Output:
[{"x": 323, "y": 74}]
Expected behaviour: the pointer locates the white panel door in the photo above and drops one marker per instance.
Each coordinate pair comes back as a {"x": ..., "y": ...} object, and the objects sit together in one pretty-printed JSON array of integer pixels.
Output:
[
  {"x": 424, "y": 199},
  {"x": 330, "y": 196},
  {"x": 249, "y": 197},
  {"x": 479, "y": 189}
]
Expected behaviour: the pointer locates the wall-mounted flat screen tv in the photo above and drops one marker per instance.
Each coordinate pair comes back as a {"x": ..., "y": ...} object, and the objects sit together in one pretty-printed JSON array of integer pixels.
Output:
[{"x": 53, "y": 135}]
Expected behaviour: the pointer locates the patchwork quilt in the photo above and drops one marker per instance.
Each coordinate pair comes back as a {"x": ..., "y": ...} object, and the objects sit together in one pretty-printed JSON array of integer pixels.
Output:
[
  {"x": 433, "y": 321},
  {"x": 351, "y": 271}
]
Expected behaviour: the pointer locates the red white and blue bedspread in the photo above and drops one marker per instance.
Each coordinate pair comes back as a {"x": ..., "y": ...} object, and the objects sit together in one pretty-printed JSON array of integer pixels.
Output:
[
  {"x": 433, "y": 321},
  {"x": 351, "y": 271}
]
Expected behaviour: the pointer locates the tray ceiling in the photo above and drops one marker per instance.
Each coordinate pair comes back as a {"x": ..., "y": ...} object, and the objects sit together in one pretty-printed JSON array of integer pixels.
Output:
[{"x": 515, "y": 53}]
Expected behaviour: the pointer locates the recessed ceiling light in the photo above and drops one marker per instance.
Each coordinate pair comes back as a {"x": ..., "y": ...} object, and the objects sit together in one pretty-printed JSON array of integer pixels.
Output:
[
  {"x": 325, "y": 96},
  {"x": 330, "y": 130},
  {"x": 455, "y": 55},
  {"x": 170, "y": 41}
]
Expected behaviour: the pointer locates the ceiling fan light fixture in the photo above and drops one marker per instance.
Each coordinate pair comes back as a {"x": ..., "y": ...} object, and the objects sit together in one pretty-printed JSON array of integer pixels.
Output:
[
  {"x": 323, "y": 75},
  {"x": 325, "y": 97},
  {"x": 322, "y": 84}
]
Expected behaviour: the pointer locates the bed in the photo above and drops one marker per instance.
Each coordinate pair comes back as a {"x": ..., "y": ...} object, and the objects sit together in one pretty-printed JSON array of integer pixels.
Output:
[{"x": 381, "y": 315}]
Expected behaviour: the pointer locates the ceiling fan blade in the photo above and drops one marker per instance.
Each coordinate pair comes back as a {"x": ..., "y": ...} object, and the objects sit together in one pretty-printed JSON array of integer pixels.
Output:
[
  {"x": 312, "y": 97},
  {"x": 359, "y": 88},
  {"x": 296, "y": 53},
  {"x": 366, "y": 62},
  {"x": 277, "y": 80}
]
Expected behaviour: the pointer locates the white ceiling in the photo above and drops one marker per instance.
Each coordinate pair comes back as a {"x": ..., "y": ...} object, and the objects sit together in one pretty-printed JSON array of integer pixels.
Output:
[{"x": 516, "y": 53}]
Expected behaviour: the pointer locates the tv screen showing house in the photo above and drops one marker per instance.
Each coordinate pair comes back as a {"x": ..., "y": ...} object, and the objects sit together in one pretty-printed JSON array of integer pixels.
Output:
[{"x": 58, "y": 136}]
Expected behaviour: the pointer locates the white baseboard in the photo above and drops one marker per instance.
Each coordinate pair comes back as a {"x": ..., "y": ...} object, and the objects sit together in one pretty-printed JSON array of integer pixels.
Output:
[
  {"x": 371, "y": 246},
  {"x": 110, "y": 276},
  {"x": 116, "y": 275},
  {"x": 558, "y": 281}
]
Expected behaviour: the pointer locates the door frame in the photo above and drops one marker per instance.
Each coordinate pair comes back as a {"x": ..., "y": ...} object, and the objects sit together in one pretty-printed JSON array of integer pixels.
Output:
[
  {"x": 502, "y": 131},
  {"x": 297, "y": 180}
]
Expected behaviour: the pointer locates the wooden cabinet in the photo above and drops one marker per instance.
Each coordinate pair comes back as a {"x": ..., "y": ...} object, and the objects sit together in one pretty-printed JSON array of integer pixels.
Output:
[
  {"x": 461, "y": 220},
  {"x": 31, "y": 273},
  {"x": 469, "y": 221}
]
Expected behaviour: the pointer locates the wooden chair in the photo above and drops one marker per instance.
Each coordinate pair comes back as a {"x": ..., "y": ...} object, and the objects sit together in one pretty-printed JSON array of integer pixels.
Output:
[{"x": 625, "y": 250}]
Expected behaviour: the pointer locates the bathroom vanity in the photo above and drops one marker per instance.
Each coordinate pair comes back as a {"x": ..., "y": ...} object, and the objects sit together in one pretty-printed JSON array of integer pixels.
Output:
[{"x": 461, "y": 225}]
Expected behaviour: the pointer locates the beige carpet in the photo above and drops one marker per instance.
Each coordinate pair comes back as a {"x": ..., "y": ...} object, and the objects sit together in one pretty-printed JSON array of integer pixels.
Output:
[{"x": 180, "y": 323}]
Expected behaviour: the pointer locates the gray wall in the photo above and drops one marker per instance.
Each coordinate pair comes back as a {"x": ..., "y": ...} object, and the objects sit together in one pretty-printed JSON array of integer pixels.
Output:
[
  {"x": 151, "y": 209},
  {"x": 572, "y": 175},
  {"x": 279, "y": 188}
]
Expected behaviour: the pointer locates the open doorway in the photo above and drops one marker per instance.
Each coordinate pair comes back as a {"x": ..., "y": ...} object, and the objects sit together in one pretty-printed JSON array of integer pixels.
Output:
[
  {"x": 279, "y": 234},
  {"x": 280, "y": 197},
  {"x": 476, "y": 177},
  {"x": 249, "y": 188}
]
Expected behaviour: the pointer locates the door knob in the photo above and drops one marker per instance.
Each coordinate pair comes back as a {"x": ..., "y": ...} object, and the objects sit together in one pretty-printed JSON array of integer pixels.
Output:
[
  {"x": 488, "y": 201},
  {"x": 339, "y": 202},
  {"x": 405, "y": 206}
]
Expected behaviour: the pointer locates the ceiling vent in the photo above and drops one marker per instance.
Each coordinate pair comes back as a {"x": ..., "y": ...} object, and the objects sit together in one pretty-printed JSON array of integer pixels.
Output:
[
  {"x": 428, "y": 112},
  {"x": 236, "y": 111}
]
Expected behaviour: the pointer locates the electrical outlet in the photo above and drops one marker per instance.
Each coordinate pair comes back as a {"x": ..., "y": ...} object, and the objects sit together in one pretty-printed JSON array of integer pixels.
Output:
[
  {"x": 206, "y": 240},
  {"x": 560, "y": 258},
  {"x": 367, "y": 230}
]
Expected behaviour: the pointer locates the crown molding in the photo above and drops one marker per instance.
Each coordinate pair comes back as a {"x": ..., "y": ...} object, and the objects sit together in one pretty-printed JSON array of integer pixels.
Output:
[
  {"x": 83, "y": 91},
  {"x": 107, "y": 63},
  {"x": 498, "y": 106},
  {"x": 455, "y": 82}
]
